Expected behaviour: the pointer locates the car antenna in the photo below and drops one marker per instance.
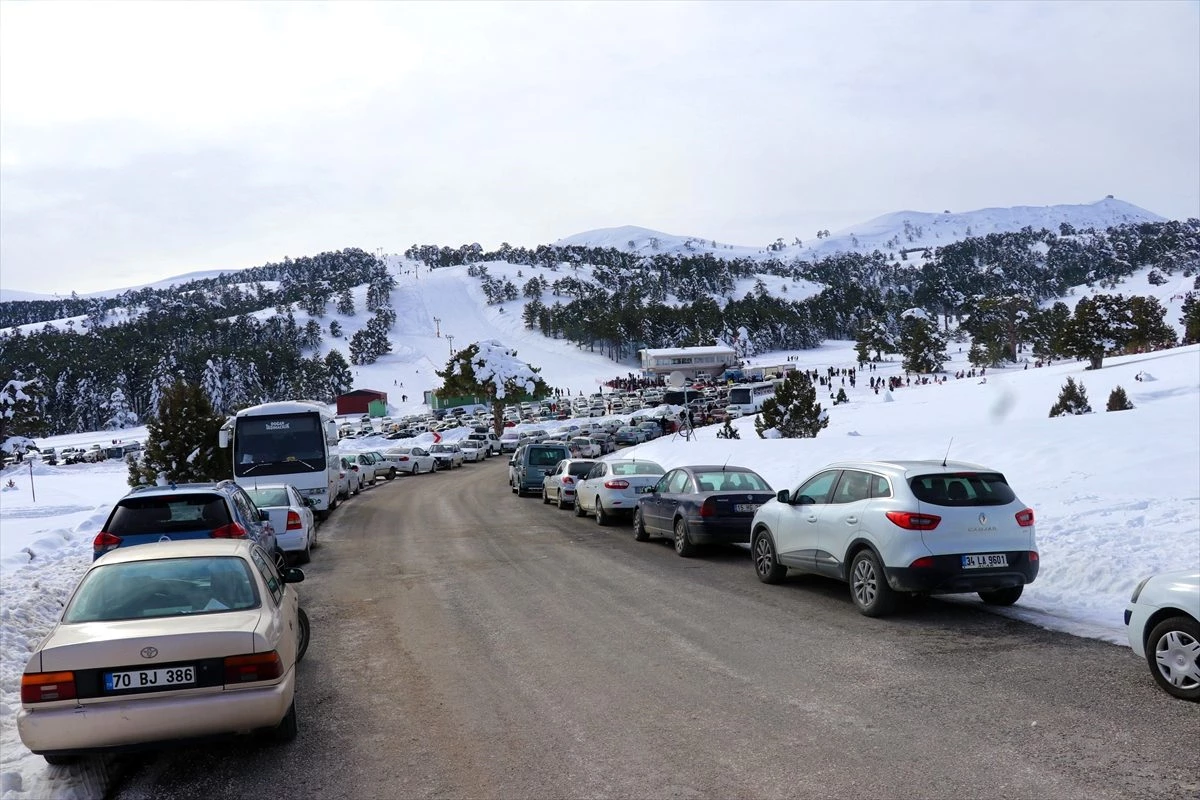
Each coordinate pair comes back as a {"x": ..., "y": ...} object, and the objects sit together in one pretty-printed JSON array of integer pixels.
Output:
[
  {"x": 723, "y": 466},
  {"x": 947, "y": 451}
]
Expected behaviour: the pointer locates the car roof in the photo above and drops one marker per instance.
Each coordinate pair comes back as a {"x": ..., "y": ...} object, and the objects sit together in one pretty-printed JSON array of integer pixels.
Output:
[
  {"x": 911, "y": 466},
  {"x": 714, "y": 468},
  {"x": 181, "y": 548},
  {"x": 220, "y": 487}
]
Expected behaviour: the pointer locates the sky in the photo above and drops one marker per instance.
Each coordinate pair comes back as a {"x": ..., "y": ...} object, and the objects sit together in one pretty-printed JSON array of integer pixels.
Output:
[
  {"x": 1115, "y": 494},
  {"x": 144, "y": 140}
]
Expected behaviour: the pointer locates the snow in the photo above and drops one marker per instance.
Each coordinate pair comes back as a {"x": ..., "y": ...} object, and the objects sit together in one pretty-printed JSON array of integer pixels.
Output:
[{"x": 1117, "y": 495}]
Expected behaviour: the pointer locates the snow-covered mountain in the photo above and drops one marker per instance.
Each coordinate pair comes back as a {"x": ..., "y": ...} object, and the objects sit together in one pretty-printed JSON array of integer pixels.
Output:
[{"x": 890, "y": 233}]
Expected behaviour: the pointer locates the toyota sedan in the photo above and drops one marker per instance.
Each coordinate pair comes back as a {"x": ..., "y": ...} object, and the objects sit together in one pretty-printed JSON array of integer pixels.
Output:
[{"x": 163, "y": 642}]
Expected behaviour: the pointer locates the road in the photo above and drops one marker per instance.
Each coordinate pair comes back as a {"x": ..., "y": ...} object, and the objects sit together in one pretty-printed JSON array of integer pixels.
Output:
[{"x": 467, "y": 643}]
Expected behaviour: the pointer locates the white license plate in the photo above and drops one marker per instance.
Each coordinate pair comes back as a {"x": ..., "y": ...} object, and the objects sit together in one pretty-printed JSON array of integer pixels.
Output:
[
  {"x": 986, "y": 560},
  {"x": 746, "y": 508},
  {"x": 149, "y": 678}
]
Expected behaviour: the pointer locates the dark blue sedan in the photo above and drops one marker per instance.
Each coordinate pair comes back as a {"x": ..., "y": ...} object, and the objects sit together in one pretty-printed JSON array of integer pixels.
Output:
[{"x": 701, "y": 505}]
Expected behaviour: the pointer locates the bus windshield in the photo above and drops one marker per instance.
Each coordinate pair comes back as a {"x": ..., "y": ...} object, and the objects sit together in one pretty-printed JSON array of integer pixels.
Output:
[{"x": 278, "y": 445}]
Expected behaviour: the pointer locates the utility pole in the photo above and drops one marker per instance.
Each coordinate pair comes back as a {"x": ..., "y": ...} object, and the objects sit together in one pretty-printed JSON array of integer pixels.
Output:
[{"x": 437, "y": 324}]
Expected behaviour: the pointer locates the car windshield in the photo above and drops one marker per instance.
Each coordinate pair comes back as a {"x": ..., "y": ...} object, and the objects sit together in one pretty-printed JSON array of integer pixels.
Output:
[
  {"x": 173, "y": 513},
  {"x": 168, "y": 587},
  {"x": 963, "y": 489},
  {"x": 730, "y": 481},
  {"x": 273, "y": 496}
]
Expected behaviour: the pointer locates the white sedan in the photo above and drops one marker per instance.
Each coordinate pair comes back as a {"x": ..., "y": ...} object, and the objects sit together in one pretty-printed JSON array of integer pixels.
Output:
[
  {"x": 165, "y": 641},
  {"x": 414, "y": 460},
  {"x": 612, "y": 487},
  {"x": 447, "y": 455},
  {"x": 291, "y": 516}
]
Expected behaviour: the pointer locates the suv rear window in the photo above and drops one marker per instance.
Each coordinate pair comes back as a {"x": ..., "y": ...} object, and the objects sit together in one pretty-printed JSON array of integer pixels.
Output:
[
  {"x": 175, "y": 513},
  {"x": 963, "y": 489},
  {"x": 542, "y": 456}
]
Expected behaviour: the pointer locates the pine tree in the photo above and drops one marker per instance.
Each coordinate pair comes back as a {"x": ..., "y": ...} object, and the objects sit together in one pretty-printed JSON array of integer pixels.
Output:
[
  {"x": 345, "y": 303},
  {"x": 335, "y": 329},
  {"x": 213, "y": 383},
  {"x": 1118, "y": 400},
  {"x": 793, "y": 413},
  {"x": 119, "y": 415},
  {"x": 922, "y": 346},
  {"x": 337, "y": 374},
  {"x": 1072, "y": 400},
  {"x": 181, "y": 444},
  {"x": 20, "y": 416},
  {"x": 727, "y": 431}
]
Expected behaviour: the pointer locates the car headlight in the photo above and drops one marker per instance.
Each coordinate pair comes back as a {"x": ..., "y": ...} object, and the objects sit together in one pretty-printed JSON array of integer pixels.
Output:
[{"x": 1138, "y": 589}]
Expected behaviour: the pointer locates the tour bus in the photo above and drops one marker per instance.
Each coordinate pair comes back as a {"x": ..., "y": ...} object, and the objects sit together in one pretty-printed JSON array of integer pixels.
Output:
[
  {"x": 681, "y": 397},
  {"x": 748, "y": 398},
  {"x": 294, "y": 441}
]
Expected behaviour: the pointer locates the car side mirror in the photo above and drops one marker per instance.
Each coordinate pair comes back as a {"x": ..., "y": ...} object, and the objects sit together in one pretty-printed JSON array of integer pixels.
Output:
[
  {"x": 783, "y": 496},
  {"x": 293, "y": 575}
]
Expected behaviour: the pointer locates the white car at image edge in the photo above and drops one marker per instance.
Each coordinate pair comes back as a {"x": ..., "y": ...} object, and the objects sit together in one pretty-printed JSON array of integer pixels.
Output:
[{"x": 1163, "y": 625}]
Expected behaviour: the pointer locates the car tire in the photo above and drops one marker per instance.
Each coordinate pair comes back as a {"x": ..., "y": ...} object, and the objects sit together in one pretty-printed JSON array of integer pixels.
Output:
[
  {"x": 683, "y": 543},
  {"x": 1177, "y": 639},
  {"x": 602, "y": 516},
  {"x": 60, "y": 761},
  {"x": 545, "y": 497},
  {"x": 561, "y": 504},
  {"x": 639, "y": 526},
  {"x": 303, "y": 634},
  {"x": 1002, "y": 597},
  {"x": 579, "y": 512},
  {"x": 288, "y": 727},
  {"x": 280, "y": 560},
  {"x": 305, "y": 555},
  {"x": 766, "y": 566},
  {"x": 869, "y": 588}
]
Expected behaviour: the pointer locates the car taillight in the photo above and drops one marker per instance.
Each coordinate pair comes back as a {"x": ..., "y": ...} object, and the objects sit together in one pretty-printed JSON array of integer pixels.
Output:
[
  {"x": 42, "y": 687},
  {"x": 924, "y": 562},
  {"x": 253, "y": 667},
  {"x": 1025, "y": 518},
  {"x": 293, "y": 523},
  {"x": 708, "y": 508},
  {"x": 1033, "y": 558},
  {"x": 104, "y": 542},
  {"x": 912, "y": 521},
  {"x": 402, "y": 458},
  {"x": 616, "y": 484},
  {"x": 233, "y": 530},
  {"x": 568, "y": 480}
]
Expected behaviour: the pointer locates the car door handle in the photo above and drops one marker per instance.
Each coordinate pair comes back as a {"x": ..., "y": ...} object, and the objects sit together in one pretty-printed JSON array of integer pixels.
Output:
[
  {"x": 852, "y": 520},
  {"x": 812, "y": 518}
]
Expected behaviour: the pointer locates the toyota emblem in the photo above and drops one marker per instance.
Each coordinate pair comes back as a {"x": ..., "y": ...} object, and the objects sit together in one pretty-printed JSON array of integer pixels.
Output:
[
  {"x": 983, "y": 519},
  {"x": 149, "y": 652}
]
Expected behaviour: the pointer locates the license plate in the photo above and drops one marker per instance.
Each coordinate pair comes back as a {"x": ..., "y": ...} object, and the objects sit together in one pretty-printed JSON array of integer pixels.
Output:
[
  {"x": 746, "y": 508},
  {"x": 149, "y": 678},
  {"x": 986, "y": 560}
]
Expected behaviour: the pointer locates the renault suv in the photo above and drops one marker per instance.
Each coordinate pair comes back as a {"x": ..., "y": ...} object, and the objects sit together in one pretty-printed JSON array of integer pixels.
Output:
[
  {"x": 186, "y": 511},
  {"x": 890, "y": 528}
]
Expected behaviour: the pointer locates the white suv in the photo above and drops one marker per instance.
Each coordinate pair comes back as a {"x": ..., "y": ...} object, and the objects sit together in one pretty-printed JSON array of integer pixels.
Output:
[
  {"x": 900, "y": 527},
  {"x": 1163, "y": 619}
]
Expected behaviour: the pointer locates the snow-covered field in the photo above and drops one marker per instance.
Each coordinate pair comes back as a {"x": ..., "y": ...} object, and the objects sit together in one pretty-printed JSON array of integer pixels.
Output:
[{"x": 1117, "y": 495}]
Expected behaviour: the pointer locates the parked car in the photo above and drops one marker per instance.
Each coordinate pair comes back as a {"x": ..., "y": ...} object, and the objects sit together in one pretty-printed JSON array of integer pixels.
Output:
[
  {"x": 611, "y": 488},
  {"x": 605, "y": 442},
  {"x": 1163, "y": 625},
  {"x": 186, "y": 511},
  {"x": 472, "y": 450},
  {"x": 509, "y": 441},
  {"x": 415, "y": 460},
  {"x": 901, "y": 527},
  {"x": 530, "y": 463},
  {"x": 384, "y": 466},
  {"x": 367, "y": 468},
  {"x": 489, "y": 440},
  {"x": 629, "y": 434},
  {"x": 585, "y": 447},
  {"x": 291, "y": 516},
  {"x": 651, "y": 430},
  {"x": 447, "y": 455},
  {"x": 701, "y": 505},
  {"x": 168, "y": 641},
  {"x": 558, "y": 485},
  {"x": 349, "y": 479}
]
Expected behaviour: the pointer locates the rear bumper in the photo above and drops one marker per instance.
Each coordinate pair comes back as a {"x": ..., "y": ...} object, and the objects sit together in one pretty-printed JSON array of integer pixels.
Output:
[
  {"x": 291, "y": 541},
  {"x": 947, "y": 575},
  {"x": 130, "y": 722},
  {"x": 703, "y": 531}
]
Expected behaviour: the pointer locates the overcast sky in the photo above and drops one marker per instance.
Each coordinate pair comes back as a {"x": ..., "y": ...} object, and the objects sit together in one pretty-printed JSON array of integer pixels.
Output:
[{"x": 143, "y": 140}]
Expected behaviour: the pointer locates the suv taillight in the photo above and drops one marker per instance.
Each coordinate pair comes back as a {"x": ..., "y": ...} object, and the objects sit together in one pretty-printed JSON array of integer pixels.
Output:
[
  {"x": 104, "y": 542},
  {"x": 293, "y": 523},
  {"x": 1025, "y": 517},
  {"x": 912, "y": 521},
  {"x": 233, "y": 530}
]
